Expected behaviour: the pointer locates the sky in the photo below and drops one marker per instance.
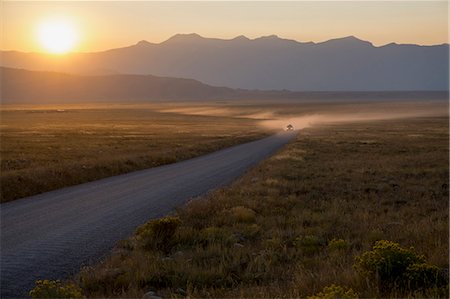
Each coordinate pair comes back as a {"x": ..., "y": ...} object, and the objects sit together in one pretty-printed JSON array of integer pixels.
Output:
[{"x": 102, "y": 25}]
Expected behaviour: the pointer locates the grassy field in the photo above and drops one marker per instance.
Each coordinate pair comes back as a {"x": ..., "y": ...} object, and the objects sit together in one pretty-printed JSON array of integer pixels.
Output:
[
  {"x": 49, "y": 147},
  {"x": 44, "y": 148},
  {"x": 297, "y": 223}
]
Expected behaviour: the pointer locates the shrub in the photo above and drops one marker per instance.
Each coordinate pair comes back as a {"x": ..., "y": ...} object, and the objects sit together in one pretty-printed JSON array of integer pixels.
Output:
[
  {"x": 158, "y": 234},
  {"x": 338, "y": 244},
  {"x": 335, "y": 292},
  {"x": 395, "y": 267},
  {"x": 55, "y": 289},
  {"x": 387, "y": 264}
]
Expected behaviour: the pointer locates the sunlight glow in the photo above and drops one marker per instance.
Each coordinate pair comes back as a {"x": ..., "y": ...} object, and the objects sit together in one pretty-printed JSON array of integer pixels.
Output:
[{"x": 57, "y": 35}]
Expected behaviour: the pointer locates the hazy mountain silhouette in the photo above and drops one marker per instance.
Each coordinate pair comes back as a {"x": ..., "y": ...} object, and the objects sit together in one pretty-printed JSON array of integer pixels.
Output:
[
  {"x": 22, "y": 86},
  {"x": 267, "y": 63}
]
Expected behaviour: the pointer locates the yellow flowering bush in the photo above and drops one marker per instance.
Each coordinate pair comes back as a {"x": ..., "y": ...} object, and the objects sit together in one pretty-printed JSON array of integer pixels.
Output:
[{"x": 55, "y": 289}]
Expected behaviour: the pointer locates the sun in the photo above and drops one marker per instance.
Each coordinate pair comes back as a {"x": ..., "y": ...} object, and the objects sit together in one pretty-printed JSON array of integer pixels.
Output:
[{"x": 57, "y": 35}]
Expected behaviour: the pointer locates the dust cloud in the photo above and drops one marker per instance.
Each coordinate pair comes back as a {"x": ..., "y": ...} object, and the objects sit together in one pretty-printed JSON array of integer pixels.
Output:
[
  {"x": 301, "y": 116},
  {"x": 305, "y": 121},
  {"x": 219, "y": 111}
]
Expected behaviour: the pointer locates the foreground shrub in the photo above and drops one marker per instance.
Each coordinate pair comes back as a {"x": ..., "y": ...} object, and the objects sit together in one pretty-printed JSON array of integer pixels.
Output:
[
  {"x": 394, "y": 267},
  {"x": 158, "y": 234},
  {"x": 335, "y": 292},
  {"x": 55, "y": 289},
  {"x": 387, "y": 263}
]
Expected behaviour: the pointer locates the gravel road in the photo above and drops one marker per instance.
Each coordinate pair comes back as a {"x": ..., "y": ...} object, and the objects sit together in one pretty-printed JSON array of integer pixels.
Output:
[{"x": 53, "y": 234}]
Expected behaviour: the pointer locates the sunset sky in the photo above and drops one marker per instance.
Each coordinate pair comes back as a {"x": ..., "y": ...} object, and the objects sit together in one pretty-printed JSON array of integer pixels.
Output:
[{"x": 103, "y": 25}]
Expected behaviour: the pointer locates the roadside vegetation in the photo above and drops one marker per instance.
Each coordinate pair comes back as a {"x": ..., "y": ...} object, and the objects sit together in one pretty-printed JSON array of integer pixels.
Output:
[
  {"x": 47, "y": 149},
  {"x": 344, "y": 211}
]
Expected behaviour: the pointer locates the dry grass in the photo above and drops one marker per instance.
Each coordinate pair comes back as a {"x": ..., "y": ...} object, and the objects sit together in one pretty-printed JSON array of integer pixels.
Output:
[
  {"x": 42, "y": 149},
  {"x": 295, "y": 224}
]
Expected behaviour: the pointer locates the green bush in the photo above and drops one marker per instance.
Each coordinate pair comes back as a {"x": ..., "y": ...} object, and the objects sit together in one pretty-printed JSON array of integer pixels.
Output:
[
  {"x": 387, "y": 262},
  {"x": 394, "y": 267},
  {"x": 55, "y": 289},
  {"x": 335, "y": 292},
  {"x": 158, "y": 234}
]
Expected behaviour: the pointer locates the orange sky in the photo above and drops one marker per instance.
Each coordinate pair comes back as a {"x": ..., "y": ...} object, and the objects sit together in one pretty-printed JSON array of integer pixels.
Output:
[{"x": 104, "y": 24}]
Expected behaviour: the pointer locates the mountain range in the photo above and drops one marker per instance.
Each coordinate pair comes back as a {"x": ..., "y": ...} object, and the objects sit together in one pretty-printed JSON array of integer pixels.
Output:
[
  {"x": 20, "y": 86},
  {"x": 265, "y": 63}
]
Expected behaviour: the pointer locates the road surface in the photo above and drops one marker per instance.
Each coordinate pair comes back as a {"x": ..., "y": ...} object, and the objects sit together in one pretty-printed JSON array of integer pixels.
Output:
[{"x": 51, "y": 235}]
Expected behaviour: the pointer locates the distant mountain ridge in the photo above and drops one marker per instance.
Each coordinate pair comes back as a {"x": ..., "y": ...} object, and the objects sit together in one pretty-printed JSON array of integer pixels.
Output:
[
  {"x": 265, "y": 63},
  {"x": 22, "y": 86}
]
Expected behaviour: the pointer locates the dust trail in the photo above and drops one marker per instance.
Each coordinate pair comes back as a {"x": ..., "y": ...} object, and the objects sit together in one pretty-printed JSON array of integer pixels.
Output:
[
  {"x": 209, "y": 111},
  {"x": 301, "y": 122},
  {"x": 303, "y": 116},
  {"x": 216, "y": 111}
]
